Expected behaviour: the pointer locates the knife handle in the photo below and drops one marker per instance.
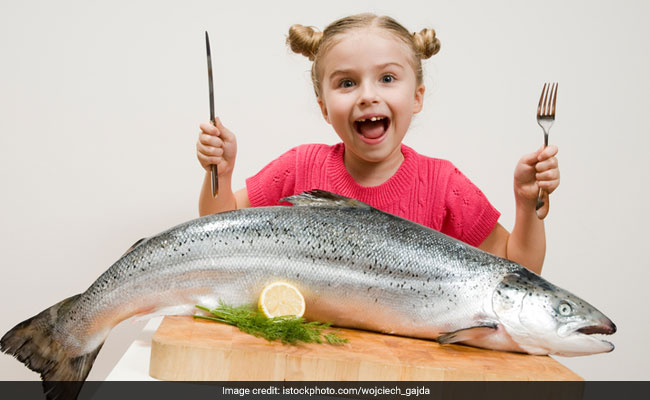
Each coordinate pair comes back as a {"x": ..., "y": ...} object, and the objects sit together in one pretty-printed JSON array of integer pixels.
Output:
[
  {"x": 214, "y": 176},
  {"x": 215, "y": 181}
]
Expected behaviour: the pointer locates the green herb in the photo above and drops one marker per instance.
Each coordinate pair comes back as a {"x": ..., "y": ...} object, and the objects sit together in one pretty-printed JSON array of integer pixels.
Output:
[{"x": 290, "y": 330}]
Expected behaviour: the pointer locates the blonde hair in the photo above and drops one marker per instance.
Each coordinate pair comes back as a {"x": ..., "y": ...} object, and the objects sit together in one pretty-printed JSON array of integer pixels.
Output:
[{"x": 313, "y": 44}]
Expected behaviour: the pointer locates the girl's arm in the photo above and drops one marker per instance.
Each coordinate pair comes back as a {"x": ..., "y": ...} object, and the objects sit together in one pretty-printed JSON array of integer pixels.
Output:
[
  {"x": 226, "y": 200},
  {"x": 526, "y": 244},
  {"x": 217, "y": 145}
]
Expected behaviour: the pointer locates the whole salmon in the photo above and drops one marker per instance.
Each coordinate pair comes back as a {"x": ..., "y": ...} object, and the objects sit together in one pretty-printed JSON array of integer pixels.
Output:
[{"x": 355, "y": 265}]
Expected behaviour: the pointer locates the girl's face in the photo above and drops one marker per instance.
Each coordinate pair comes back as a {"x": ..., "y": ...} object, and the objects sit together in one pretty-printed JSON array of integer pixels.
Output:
[{"x": 369, "y": 93}]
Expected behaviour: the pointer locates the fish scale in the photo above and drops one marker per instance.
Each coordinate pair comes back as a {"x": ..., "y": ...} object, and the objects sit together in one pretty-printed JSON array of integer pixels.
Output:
[
  {"x": 306, "y": 248},
  {"x": 356, "y": 266}
]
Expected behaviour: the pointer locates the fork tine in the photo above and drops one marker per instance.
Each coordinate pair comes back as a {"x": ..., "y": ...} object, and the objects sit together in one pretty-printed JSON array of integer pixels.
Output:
[
  {"x": 541, "y": 99},
  {"x": 554, "y": 99},
  {"x": 547, "y": 99}
]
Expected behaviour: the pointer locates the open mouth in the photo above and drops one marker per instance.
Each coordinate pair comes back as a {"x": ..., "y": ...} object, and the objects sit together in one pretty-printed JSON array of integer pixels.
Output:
[
  {"x": 372, "y": 129},
  {"x": 595, "y": 332},
  {"x": 598, "y": 329}
]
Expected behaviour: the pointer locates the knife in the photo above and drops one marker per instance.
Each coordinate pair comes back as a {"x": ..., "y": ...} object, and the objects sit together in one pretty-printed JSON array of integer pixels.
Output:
[{"x": 214, "y": 180}]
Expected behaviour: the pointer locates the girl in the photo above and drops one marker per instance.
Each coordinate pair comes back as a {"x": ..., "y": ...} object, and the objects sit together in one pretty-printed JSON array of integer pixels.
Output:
[{"x": 367, "y": 76}]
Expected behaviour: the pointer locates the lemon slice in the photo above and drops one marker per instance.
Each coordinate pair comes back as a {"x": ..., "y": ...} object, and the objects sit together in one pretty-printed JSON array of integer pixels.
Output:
[{"x": 281, "y": 299}]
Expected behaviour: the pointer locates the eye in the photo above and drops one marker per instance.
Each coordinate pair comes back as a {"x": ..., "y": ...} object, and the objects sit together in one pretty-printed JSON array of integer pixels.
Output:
[
  {"x": 564, "y": 309},
  {"x": 387, "y": 78},
  {"x": 346, "y": 83}
]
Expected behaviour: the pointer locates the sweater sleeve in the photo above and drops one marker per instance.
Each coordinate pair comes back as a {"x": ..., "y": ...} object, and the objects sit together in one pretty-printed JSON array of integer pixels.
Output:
[
  {"x": 274, "y": 182},
  {"x": 470, "y": 217}
]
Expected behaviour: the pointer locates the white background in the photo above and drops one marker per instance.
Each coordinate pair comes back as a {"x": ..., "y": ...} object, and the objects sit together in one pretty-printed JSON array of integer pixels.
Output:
[{"x": 100, "y": 104}]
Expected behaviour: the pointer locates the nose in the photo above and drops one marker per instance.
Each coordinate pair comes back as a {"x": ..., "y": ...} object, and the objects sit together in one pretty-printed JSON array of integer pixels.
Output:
[{"x": 368, "y": 95}]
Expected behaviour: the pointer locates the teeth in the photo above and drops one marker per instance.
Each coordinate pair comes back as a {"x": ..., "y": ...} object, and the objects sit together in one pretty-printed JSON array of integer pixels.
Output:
[{"x": 371, "y": 118}]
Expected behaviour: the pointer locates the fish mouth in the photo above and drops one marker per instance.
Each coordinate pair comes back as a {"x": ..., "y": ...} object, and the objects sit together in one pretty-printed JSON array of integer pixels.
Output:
[
  {"x": 595, "y": 331},
  {"x": 608, "y": 329}
]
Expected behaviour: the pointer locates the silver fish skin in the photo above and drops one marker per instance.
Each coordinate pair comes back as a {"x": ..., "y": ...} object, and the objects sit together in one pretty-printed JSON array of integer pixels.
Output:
[{"x": 355, "y": 265}]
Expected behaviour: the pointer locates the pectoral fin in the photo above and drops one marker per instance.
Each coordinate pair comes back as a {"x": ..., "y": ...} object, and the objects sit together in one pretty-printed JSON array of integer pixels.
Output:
[{"x": 466, "y": 334}]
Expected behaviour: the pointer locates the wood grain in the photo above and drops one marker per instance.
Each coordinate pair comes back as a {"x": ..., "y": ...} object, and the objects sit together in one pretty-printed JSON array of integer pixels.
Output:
[{"x": 197, "y": 350}]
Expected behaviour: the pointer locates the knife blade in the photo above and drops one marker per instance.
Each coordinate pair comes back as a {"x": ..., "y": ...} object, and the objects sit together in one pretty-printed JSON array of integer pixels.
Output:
[{"x": 213, "y": 168}]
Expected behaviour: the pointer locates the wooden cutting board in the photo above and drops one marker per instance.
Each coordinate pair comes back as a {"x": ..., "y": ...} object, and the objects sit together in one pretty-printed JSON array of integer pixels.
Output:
[{"x": 196, "y": 350}]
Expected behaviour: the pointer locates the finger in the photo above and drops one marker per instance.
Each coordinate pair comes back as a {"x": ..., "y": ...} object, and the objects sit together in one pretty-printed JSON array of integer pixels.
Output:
[
  {"x": 211, "y": 160},
  {"x": 549, "y": 186},
  {"x": 547, "y": 152},
  {"x": 546, "y": 165},
  {"x": 208, "y": 140},
  {"x": 208, "y": 160},
  {"x": 547, "y": 175},
  {"x": 529, "y": 159},
  {"x": 209, "y": 128},
  {"x": 225, "y": 132},
  {"x": 209, "y": 150}
]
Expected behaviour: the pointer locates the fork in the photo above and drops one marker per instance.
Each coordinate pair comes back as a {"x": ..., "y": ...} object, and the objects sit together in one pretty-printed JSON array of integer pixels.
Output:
[{"x": 545, "y": 119}]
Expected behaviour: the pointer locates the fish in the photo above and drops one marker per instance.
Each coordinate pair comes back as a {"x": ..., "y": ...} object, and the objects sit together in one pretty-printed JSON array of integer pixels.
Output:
[{"x": 355, "y": 265}]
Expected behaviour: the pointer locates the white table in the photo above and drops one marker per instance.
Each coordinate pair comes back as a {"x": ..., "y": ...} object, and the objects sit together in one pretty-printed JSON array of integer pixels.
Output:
[{"x": 134, "y": 364}]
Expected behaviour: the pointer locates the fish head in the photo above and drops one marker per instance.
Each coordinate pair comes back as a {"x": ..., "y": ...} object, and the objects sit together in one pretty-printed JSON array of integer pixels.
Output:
[{"x": 545, "y": 319}]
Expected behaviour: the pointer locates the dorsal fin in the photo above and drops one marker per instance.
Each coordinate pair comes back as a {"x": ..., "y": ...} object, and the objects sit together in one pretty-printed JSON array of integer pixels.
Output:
[
  {"x": 322, "y": 198},
  {"x": 133, "y": 246}
]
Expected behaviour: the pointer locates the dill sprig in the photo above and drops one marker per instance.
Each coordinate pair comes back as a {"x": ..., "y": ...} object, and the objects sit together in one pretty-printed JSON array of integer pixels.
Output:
[{"x": 289, "y": 329}]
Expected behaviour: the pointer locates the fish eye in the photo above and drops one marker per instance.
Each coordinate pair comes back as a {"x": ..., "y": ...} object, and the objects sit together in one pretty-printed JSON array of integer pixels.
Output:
[{"x": 564, "y": 309}]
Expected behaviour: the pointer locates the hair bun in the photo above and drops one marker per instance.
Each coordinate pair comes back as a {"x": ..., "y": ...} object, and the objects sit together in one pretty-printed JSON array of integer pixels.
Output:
[
  {"x": 426, "y": 43},
  {"x": 304, "y": 40}
]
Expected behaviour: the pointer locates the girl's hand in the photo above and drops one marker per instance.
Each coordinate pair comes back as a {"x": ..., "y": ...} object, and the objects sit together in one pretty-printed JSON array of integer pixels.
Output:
[
  {"x": 536, "y": 170},
  {"x": 216, "y": 146}
]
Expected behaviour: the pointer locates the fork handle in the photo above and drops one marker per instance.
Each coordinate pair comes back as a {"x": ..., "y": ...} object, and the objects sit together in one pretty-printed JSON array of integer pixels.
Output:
[{"x": 541, "y": 209}]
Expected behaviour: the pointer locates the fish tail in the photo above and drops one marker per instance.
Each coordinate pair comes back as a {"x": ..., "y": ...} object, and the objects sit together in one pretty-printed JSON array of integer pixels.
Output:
[{"x": 32, "y": 343}]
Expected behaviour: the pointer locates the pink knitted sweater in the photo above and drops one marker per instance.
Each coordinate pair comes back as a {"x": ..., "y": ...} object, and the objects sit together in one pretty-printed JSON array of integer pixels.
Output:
[{"x": 429, "y": 191}]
